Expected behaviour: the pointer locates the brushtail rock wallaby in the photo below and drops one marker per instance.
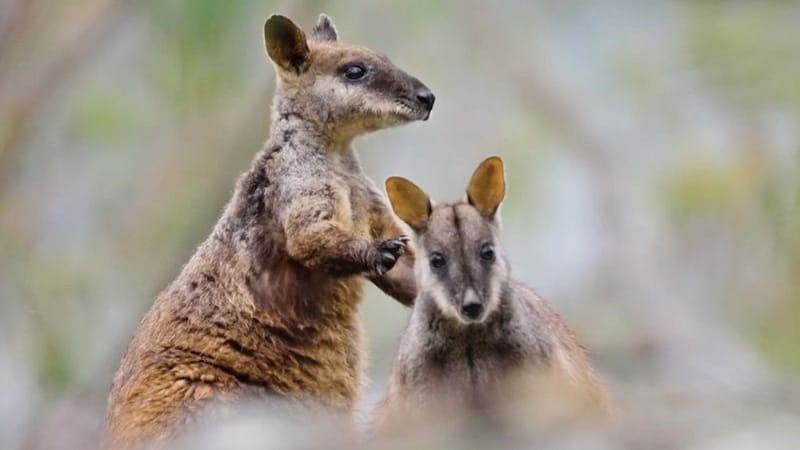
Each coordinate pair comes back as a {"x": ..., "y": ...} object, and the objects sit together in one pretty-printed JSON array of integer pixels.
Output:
[
  {"x": 476, "y": 338},
  {"x": 268, "y": 304}
]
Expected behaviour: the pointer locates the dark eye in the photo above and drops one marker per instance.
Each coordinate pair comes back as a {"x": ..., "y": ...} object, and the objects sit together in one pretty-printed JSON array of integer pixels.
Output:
[
  {"x": 487, "y": 252},
  {"x": 355, "y": 72},
  {"x": 437, "y": 260}
]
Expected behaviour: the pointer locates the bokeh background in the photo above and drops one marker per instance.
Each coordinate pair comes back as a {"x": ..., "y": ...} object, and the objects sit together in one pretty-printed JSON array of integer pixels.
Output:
[{"x": 653, "y": 155}]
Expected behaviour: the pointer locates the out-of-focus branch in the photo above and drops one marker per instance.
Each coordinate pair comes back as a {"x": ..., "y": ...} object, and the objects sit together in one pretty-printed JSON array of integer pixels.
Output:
[{"x": 26, "y": 101}]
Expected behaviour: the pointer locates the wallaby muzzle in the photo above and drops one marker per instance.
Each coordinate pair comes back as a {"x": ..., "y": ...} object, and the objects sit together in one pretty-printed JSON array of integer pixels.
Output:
[{"x": 471, "y": 306}]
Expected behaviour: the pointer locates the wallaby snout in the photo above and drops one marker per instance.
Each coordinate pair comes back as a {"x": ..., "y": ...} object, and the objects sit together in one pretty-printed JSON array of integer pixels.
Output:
[
  {"x": 471, "y": 306},
  {"x": 426, "y": 97}
]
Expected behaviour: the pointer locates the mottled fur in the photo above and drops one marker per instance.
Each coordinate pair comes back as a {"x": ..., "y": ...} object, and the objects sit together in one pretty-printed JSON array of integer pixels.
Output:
[
  {"x": 268, "y": 304},
  {"x": 476, "y": 340}
]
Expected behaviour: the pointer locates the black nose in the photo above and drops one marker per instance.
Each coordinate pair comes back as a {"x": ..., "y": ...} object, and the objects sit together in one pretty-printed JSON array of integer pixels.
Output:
[
  {"x": 472, "y": 310},
  {"x": 427, "y": 98}
]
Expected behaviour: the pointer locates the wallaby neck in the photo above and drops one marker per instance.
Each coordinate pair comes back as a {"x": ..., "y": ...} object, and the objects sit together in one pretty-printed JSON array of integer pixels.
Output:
[
  {"x": 292, "y": 125},
  {"x": 291, "y": 133}
]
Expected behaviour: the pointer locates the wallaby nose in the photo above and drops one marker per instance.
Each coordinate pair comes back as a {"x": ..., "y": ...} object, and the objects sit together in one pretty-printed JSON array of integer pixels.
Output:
[
  {"x": 471, "y": 307},
  {"x": 426, "y": 97}
]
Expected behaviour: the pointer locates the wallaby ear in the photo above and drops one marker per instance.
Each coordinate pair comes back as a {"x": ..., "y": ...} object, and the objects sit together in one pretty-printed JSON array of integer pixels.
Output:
[
  {"x": 324, "y": 30},
  {"x": 409, "y": 202},
  {"x": 286, "y": 44},
  {"x": 487, "y": 187}
]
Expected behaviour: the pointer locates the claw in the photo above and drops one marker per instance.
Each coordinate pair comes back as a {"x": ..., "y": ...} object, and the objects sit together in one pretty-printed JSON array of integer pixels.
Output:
[
  {"x": 389, "y": 251},
  {"x": 394, "y": 246}
]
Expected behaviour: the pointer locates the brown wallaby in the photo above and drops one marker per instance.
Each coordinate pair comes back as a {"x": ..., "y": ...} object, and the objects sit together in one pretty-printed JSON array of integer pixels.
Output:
[
  {"x": 475, "y": 336},
  {"x": 268, "y": 303}
]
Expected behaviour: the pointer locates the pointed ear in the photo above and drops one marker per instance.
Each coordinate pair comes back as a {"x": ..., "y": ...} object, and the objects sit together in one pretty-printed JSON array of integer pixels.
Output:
[
  {"x": 286, "y": 44},
  {"x": 487, "y": 187},
  {"x": 409, "y": 202},
  {"x": 324, "y": 30}
]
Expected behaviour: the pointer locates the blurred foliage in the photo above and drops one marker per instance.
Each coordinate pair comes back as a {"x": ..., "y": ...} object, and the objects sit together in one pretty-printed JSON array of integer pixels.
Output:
[
  {"x": 778, "y": 331},
  {"x": 710, "y": 189},
  {"x": 56, "y": 364},
  {"x": 652, "y": 154},
  {"x": 751, "y": 49},
  {"x": 193, "y": 58},
  {"x": 103, "y": 116},
  {"x": 749, "y": 52}
]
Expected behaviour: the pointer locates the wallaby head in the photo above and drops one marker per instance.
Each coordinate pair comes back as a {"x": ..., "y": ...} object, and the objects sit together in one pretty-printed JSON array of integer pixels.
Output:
[
  {"x": 460, "y": 265},
  {"x": 346, "y": 90}
]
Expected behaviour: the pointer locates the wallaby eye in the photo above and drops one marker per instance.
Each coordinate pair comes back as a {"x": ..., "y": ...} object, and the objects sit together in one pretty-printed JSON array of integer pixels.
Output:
[
  {"x": 437, "y": 260},
  {"x": 487, "y": 252},
  {"x": 355, "y": 71}
]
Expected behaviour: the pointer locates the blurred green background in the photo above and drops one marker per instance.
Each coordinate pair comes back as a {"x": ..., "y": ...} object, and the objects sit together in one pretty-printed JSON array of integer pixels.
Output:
[{"x": 653, "y": 153}]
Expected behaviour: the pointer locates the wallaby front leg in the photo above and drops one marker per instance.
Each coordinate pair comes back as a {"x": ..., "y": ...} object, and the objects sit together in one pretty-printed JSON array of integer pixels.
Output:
[
  {"x": 399, "y": 283},
  {"x": 326, "y": 246}
]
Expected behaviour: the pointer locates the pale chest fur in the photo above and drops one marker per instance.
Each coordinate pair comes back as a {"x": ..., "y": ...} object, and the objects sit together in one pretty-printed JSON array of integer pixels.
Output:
[
  {"x": 335, "y": 178},
  {"x": 363, "y": 196}
]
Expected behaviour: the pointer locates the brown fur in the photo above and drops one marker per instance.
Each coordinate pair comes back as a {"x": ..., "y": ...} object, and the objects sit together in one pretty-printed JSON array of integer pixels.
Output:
[
  {"x": 478, "y": 341},
  {"x": 268, "y": 304}
]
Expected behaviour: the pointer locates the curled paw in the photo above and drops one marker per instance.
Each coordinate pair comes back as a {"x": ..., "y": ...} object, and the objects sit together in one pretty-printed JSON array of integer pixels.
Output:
[{"x": 386, "y": 253}]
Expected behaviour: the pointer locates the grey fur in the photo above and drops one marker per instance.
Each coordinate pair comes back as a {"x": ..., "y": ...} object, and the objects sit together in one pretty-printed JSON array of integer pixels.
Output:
[{"x": 468, "y": 363}]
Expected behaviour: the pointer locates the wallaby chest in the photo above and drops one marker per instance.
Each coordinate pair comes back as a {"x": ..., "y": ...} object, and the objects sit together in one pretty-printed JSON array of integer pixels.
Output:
[
  {"x": 364, "y": 199},
  {"x": 337, "y": 178}
]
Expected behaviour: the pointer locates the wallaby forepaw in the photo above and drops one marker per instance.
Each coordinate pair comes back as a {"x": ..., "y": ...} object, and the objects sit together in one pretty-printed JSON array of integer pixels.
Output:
[{"x": 387, "y": 253}]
